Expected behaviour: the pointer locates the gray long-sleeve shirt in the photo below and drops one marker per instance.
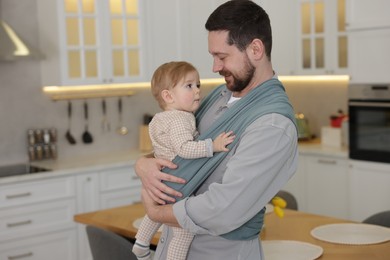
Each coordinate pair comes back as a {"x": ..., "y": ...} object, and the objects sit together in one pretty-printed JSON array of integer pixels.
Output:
[{"x": 253, "y": 172}]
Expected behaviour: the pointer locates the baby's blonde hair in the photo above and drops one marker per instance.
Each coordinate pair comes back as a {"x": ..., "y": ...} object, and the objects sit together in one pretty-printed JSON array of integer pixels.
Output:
[{"x": 167, "y": 76}]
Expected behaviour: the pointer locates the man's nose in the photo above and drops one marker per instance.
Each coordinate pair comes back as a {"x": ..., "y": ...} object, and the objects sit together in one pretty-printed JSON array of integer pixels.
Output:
[{"x": 217, "y": 65}]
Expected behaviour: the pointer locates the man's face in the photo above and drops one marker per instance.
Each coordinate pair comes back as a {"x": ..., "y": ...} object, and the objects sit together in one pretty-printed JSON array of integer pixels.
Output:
[{"x": 230, "y": 62}]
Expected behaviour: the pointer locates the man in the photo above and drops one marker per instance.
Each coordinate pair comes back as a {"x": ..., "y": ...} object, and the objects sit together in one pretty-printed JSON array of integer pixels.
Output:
[{"x": 264, "y": 155}]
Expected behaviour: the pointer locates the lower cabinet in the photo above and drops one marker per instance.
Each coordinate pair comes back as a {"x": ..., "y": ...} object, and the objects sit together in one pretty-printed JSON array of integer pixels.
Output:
[
  {"x": 107, "y": 188},
  {"x": 370, "y": 189},
  {"x": 327, "y": 186},
  {"x": 36, "y": 217},
  {"x": 60, "y": 245},
  {"x": 320, "y": 185}
]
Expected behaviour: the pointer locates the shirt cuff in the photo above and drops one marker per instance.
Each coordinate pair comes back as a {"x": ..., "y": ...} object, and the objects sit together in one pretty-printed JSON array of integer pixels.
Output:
[
  {"x": 209, "y": 147},
  {"x": 185, "y": 222}
]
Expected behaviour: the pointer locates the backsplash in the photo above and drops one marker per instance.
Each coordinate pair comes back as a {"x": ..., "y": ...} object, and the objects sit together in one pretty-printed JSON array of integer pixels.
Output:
[{"x": 23, "y": 106}]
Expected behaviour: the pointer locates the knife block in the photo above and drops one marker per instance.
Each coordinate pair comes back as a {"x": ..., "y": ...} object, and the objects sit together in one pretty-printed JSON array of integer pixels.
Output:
[{"x": 145, "y": 144}]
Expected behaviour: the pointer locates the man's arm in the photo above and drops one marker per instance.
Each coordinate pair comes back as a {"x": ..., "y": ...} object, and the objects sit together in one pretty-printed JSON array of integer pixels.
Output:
[{"x": 157, "y": 212}]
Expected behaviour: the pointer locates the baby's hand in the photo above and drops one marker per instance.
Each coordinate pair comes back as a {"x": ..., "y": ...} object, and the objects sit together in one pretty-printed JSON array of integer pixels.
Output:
[{"x": 222, "y": 140}]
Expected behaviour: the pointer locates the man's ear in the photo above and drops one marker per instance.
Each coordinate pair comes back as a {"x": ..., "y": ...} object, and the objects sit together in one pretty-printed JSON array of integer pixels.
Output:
[
  {"x": 257, "y": 48},
  {"x": 167, "y": 96}
]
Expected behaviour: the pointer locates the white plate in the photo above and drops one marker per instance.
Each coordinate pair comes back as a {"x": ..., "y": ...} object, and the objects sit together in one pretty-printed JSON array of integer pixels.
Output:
[
  {"x": 269, "y": 208},
  {"x": 290, "y": 249},
  {"x": 352, "y": 234},
  {"x": 137, "y": 223}
]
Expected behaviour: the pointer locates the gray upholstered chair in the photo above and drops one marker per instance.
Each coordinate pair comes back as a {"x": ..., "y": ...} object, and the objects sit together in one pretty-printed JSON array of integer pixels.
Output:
[
  {"x": 289, "y": 198},
  {"x": 381, "y": 219},
  {"x": 106, "y": 245}
]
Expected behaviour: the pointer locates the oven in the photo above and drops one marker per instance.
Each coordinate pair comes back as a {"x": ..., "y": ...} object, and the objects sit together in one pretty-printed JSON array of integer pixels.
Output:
[{"x": 369, "y": 122}]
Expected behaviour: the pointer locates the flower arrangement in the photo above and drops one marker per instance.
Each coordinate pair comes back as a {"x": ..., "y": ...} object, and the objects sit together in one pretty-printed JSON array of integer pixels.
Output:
[{"x": 279, "y": 204}]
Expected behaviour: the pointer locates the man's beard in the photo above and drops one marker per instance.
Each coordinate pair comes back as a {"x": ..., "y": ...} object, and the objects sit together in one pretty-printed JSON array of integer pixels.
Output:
[{"x": 240, "y": 83}]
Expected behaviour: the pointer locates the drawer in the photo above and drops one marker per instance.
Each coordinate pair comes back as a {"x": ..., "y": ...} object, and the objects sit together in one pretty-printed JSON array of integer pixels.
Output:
[
  {"x": 24, "y": 221},
  {"x": 119, "y": 178},
  {"x": 58, "y": 246},
  {"x": 120, "y": 198},
  {"x": 36, "y": 191}
]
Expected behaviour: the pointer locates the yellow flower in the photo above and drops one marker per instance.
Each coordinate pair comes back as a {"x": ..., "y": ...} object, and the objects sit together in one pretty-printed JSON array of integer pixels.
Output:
[{"x": 279, "y": 205}]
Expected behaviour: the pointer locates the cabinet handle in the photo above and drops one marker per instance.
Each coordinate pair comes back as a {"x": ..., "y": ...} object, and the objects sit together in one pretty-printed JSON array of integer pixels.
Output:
[
  {"x": 327, "y": 161},
  {"x": 20, "y": 256},
  {"x": 21, "y": 223},
  {"x": 26, "y": 194}
]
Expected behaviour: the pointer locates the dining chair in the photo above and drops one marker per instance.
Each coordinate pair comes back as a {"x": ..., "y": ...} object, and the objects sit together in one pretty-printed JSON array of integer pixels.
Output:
[
  {"x": 380, "y": 218},
  {"x": 289, "y": 198},
  {"x": 106, "y": 245}
]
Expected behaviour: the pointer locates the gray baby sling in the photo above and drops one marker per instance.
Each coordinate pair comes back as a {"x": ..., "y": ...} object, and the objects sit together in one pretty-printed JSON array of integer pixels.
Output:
[{"x": 268, "y": 97}]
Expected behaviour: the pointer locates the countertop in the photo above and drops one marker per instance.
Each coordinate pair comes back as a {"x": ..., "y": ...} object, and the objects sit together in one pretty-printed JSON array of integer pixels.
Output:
[{"x": 63, "y": 167}]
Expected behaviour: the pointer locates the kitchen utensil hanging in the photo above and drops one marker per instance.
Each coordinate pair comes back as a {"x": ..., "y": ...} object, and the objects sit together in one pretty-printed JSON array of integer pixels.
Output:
[
  {"x": 106, "y": 127},
  {"x": 86, "y": 137},
  {"x": 122, "y": 130},
  {"x": 69, "y": 137}
]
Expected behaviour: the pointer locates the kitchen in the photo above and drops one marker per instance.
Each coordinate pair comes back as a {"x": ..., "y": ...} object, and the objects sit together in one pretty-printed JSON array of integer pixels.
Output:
[{"x": 24, "y": 106}]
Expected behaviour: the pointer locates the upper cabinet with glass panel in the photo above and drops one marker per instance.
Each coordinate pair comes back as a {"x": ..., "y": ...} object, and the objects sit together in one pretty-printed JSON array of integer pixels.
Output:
[
  {"x": 91, "y": 41},
  {"x": 323, "y": 39}
]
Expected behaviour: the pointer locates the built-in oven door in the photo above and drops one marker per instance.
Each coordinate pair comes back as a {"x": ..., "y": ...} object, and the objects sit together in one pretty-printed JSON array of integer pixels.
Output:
[{"x": 369, "y": 130}]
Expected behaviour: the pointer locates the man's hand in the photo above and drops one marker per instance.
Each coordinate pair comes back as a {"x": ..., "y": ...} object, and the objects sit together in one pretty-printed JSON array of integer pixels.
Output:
[{"x": 149, "y": 171}]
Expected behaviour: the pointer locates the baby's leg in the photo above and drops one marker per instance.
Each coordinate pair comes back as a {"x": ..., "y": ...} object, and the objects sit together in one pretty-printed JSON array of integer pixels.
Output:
[
  {"x": 179, "y": 245},
  {"x": 144, "y": 235}
]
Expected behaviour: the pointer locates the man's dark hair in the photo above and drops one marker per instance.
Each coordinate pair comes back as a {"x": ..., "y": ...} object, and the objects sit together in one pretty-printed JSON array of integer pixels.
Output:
[{"x": 245, "y": 21}]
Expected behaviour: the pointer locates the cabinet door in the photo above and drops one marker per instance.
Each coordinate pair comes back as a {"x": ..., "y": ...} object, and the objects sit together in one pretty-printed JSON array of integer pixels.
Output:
[
  {"x": 91, "y": 42},
  {"x": 163, "y": 32},
  {"x": 284, "y": 23},
  {"x": 369, "y": 57},
  {"x": 87, "y": 201},
  {"x": 123, "y": 41},
  {"x": 119, "y": 186},
  {"x": 323, "y": 41},
  {"x": 327, "y": 186},
  {"x": 297, "y": 184},
  {"x": 369, "y": 192},
  {"x": 367, "y": 14},
  {"x": 87, "y": 192}
]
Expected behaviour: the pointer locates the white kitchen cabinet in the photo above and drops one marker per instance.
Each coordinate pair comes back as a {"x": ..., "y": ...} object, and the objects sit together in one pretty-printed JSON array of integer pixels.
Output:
[
  {"x": 327, "y": 186},
  {"x": 59, "y": 246},
  {"x": 91, "y": 42},
  {"x": 284, "y": 24},
  {"x": 107, "y": 188},
  {"x": 297, "y": 184},
  {"x": 176, "y": 30},
  {"x": 367, "y": 14},
  {"x": 323, "y": 42},
  {"x": 370, "y": 189},
  {"x": 369, "y": 56},
  {"x": 119, "y": 186},
  {"x": 87, "y": 201},
  {"x": 36, "y": 219}
]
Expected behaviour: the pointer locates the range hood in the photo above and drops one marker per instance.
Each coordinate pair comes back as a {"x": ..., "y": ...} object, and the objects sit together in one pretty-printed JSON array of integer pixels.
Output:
[{"x": 12, "y": 47}]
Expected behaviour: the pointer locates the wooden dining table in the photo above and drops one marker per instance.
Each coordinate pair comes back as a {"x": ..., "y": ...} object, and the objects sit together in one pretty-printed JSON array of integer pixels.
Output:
[{"x": 295, "y": 225}]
